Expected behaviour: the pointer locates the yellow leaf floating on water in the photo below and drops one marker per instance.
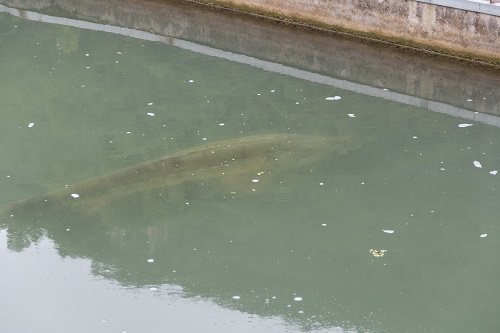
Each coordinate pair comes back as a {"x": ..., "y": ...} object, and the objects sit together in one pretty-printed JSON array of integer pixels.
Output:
[{"x": 378, "y": 253}]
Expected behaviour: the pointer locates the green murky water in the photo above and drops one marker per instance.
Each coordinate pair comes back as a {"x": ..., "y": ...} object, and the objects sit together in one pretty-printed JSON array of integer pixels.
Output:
[{"x": 277, "y": 248}]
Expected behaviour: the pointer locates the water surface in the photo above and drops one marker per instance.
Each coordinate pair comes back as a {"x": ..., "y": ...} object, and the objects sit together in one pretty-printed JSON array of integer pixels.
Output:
[{"x": 282, "y": 249}]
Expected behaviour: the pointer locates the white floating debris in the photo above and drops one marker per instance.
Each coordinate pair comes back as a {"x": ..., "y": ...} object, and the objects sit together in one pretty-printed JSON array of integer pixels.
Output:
[
  {"x": 150, "y": 103},
  {"x": 75, "y": 195},
  {"x": 153, "y": 288},
  {"x": 221, "y": 124},
  {"x": 378, "y": 253},
  {"x": 414, "y": 137},
  {"x": 494, "y": 172},
  {"x": 151, "y": 260},
  {"x": 352, "y": 115},
  {"x": 191, "y": 81},
  {"x": 464, "y": 125},
  {"x": 151, "y": 114},
  {"x": 297, "y": 299},
  {"x": 477, "y": 164},
  {"x": 469, "y": 100},
  {"x": 323, "y": 224},
  {"x": 388, "y": 231},
  {"x": 236, "y": 297},
  {"x": 118, "y": 52},
  {"x": 321, "y": 184},
  {"x": 483, "y": 235},
  {"x": 334, "y": 98},
  {"x": 31, "y": 125},
  {"x": 255, "y": 180}
]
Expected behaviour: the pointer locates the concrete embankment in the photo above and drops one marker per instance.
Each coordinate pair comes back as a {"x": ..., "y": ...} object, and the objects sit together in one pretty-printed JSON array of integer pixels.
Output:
[
  {"x": 471, "y": 31},
  {"x": 345, "y": 59}
]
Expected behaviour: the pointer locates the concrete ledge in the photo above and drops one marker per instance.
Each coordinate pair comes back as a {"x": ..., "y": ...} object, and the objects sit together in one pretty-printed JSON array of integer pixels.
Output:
[
  {"x": 421, "y": 25},
  {"x": 484, "y": 7}
]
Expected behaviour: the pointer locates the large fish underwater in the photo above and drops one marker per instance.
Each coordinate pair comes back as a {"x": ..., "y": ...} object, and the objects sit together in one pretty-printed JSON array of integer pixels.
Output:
[{"x": 239, "y": 163}]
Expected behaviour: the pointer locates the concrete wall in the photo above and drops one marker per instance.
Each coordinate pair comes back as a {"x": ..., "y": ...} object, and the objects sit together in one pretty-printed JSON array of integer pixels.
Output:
[
  {"x": 430, "y": 78},
  {"x": 443, "y": 29}
]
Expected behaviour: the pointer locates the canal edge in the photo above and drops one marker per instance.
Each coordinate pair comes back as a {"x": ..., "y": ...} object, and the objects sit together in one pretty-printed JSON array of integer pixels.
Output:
[{"x": 458, "y": 54}]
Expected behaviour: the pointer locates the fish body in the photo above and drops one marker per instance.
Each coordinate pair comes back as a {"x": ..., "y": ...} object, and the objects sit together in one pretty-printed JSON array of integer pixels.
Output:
[{"x": 234, "y": 161}]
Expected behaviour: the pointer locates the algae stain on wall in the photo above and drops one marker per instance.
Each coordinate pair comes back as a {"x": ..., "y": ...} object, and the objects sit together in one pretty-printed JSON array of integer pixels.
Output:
[{"x": 429, "y": 19}]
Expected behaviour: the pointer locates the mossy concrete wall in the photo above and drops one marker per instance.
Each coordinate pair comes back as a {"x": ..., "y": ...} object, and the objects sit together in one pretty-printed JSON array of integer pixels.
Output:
[{"x": 424, "y": 25}]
